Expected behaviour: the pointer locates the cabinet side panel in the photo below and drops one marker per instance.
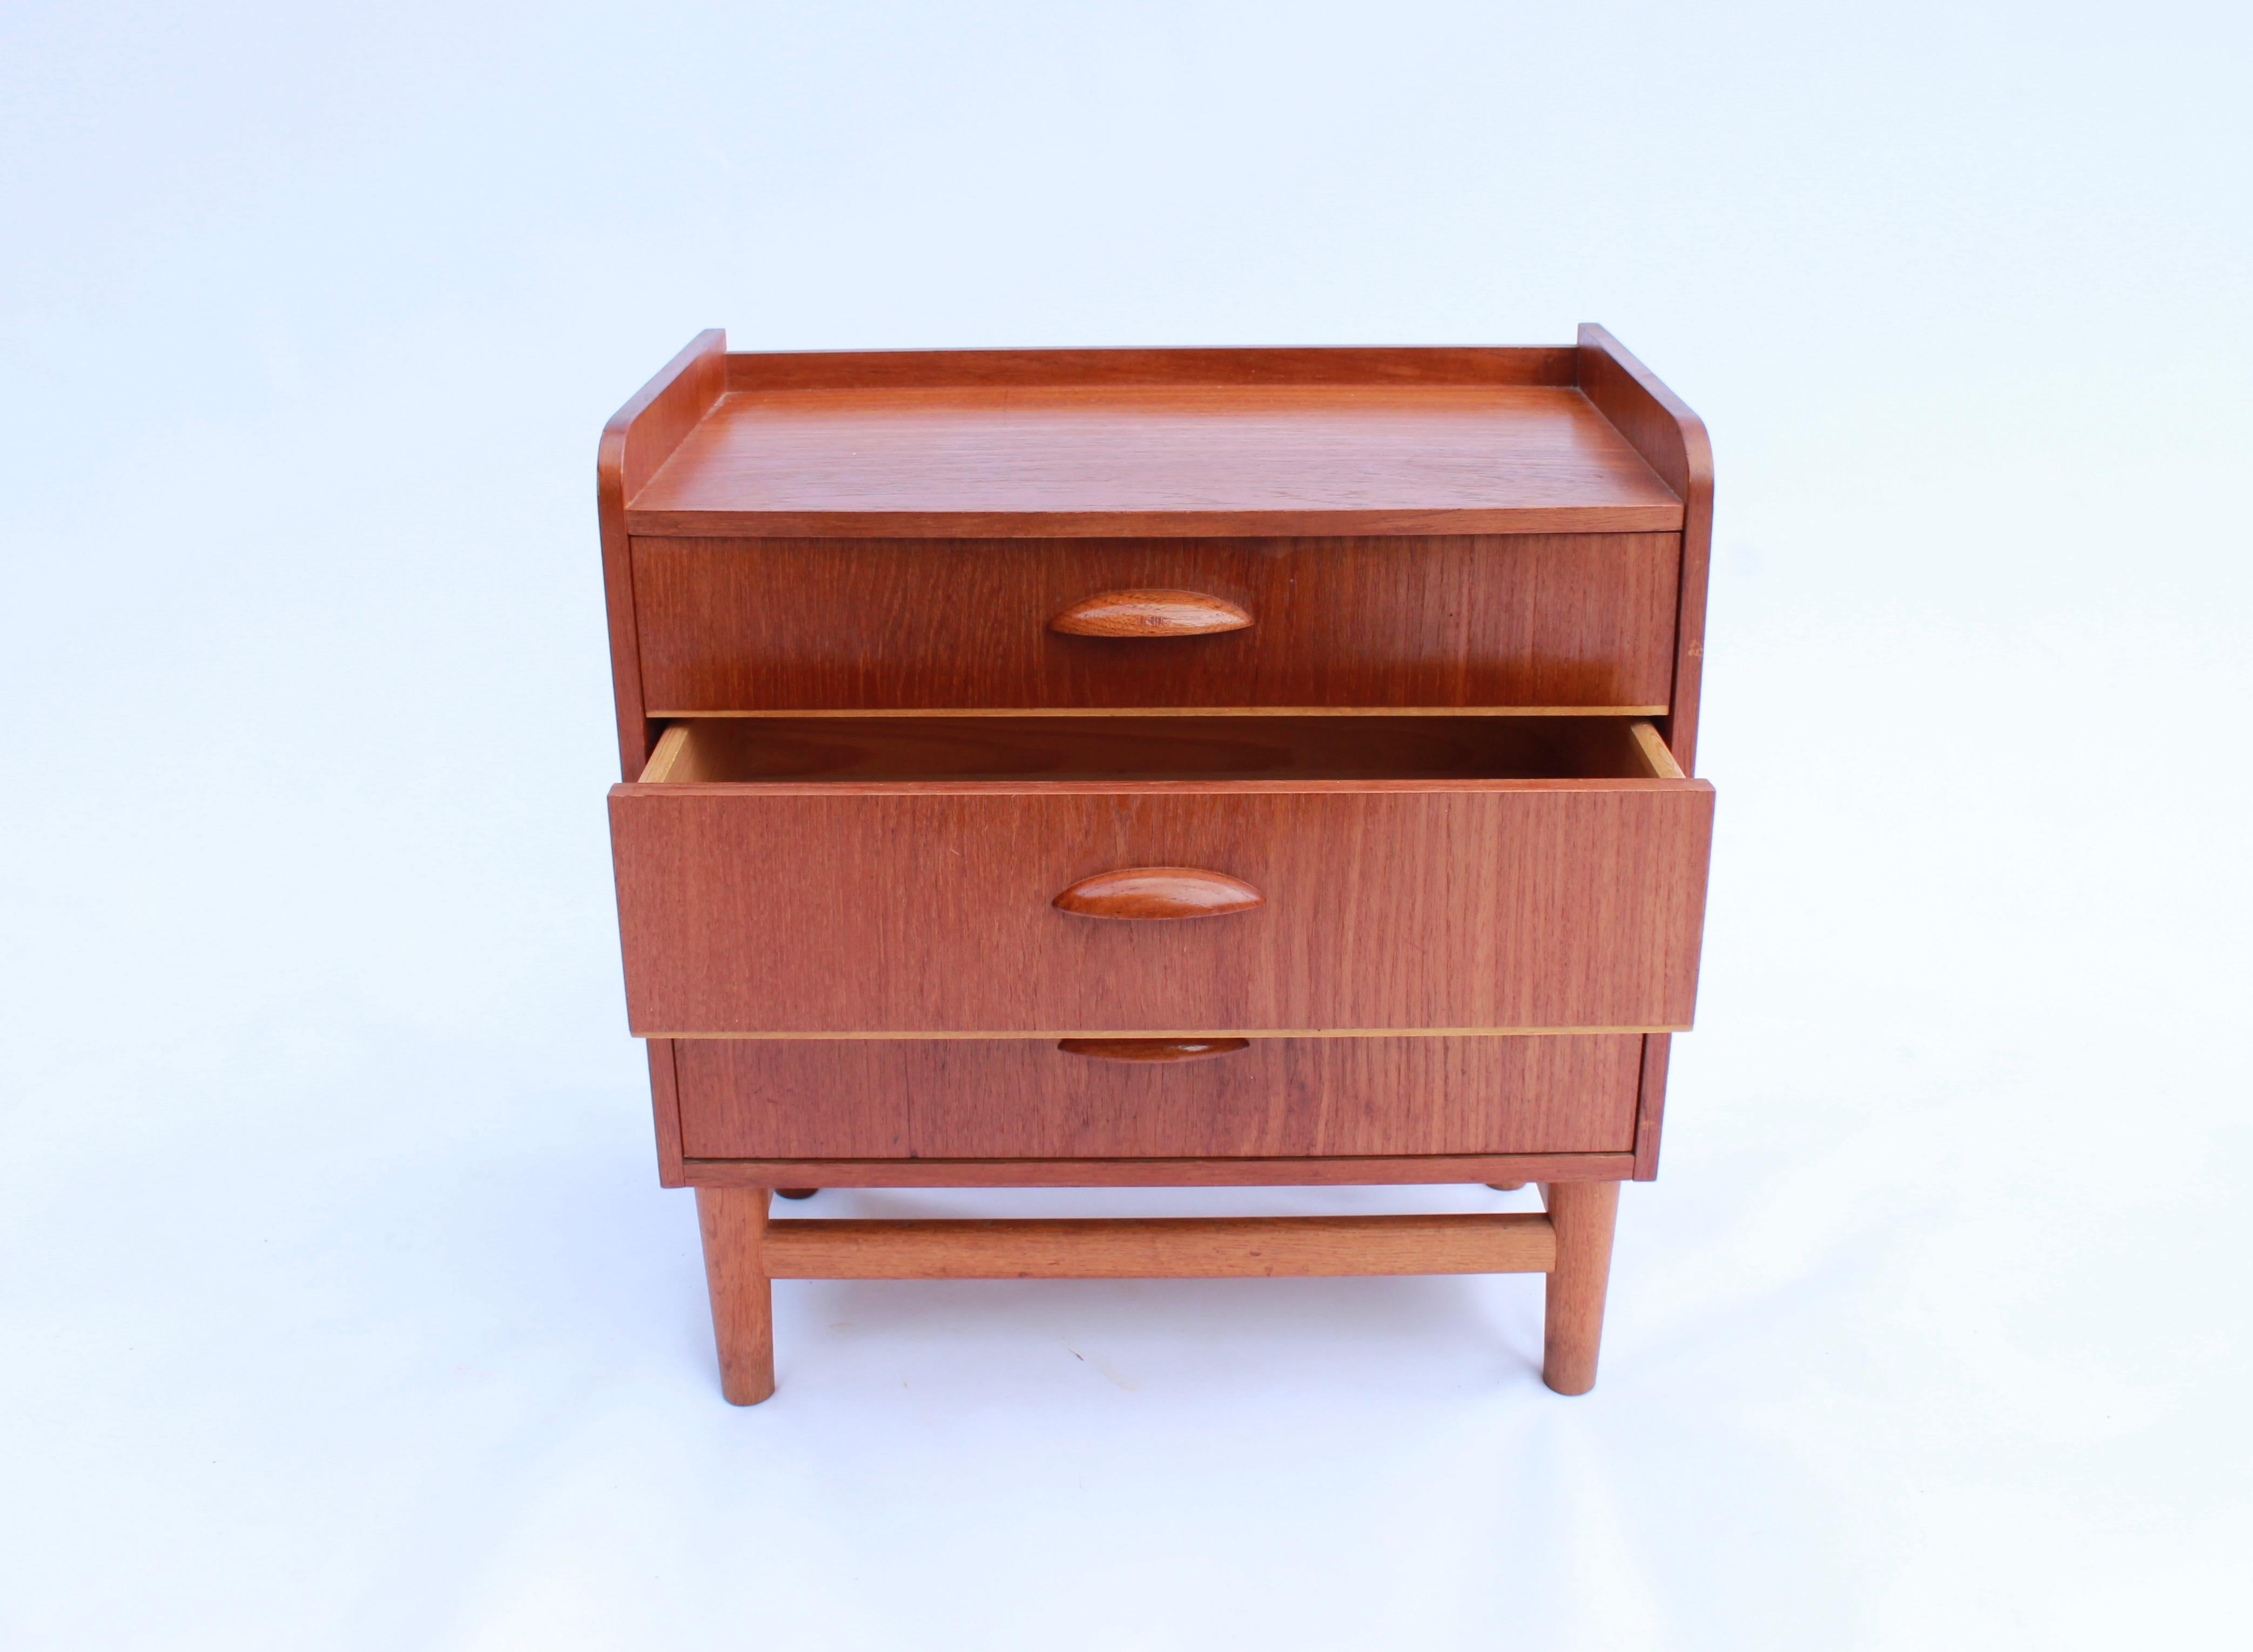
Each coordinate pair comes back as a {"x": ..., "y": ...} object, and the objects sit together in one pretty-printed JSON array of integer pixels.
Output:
[
  {"x": 637, "y": 440},
  {"x": 665, "y": 1101},
  {"x": 1673, "y": 443},
  {"x": 1651, "y": 1107}
]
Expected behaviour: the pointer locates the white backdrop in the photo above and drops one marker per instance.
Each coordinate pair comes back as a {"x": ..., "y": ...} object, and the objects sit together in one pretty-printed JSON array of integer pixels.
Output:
[{"x": 341, "y": 1307}]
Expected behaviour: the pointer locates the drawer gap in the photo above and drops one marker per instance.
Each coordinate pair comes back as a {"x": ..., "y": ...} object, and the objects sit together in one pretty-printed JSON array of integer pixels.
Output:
[{"x": 1100, "y": 750}]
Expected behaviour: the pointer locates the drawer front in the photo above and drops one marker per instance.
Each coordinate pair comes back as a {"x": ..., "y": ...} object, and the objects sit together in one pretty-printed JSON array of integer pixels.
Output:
[
  {"x": 1004, "y": 1099},
  {"x": 1564, "y": 905},
  {"x": 731, "y": 625}
]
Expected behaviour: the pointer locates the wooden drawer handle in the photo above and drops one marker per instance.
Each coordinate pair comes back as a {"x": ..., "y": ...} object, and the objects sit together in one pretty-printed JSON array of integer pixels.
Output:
[
  {"x": 1150, "y": 614},
  {"x": 1153, "y": 1049},
  {"x": 1159, "y": 891}
]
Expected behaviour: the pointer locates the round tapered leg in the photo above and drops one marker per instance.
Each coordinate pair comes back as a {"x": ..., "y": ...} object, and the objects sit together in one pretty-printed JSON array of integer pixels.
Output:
[
  {"x": 1581, "y": 1213},
  {"x": 797, "y": 1193},
  {"x": 1505, "y": 1187},
  {"x": 734, "y": 1222}
]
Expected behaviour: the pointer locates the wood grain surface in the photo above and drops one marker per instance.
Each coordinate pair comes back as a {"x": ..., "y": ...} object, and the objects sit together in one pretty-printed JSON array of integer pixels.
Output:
[
  {"x": 733, "y": 1224},
  {"x": 1149, "y": 615},
  {"x": 1650, "y": 1104},
  {"x": 1427, "y": 1169},
  {"x": 1672, "y": 440},
  {"x": 1160, "y": 1247},
  {"x": 1449, "y": 620},
  {"x": 1573, "y": 1315},
  {"x": 1464, "y": 366},
  {"x": 1650, "y": 746},
  {"x": 1497, "y": 905},
  {"x": 976, "y": 1098},
  {"x": 1081, "y": 459},
  {"x": 640, "y": 436},
  {"x": 1158, "y": 894},
  {"x": 665, "y": 1097}
]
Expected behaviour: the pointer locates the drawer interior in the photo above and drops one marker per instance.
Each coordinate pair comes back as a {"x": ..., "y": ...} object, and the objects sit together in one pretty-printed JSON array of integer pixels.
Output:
[{"x": 798, "y": 750}]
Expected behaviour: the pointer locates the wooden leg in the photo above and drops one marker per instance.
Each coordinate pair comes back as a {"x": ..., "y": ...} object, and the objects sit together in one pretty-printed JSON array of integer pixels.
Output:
[
  {"x": 797, "y": 1193},
  {"x": 1581, "y": 1213},
  {"x": 734, "y": 1221},
  {"x": 1505, "y": 1187}
]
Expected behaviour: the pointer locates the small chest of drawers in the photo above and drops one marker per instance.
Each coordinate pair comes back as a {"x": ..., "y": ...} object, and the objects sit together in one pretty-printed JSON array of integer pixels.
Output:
[{"x": 1160, "y": 768}]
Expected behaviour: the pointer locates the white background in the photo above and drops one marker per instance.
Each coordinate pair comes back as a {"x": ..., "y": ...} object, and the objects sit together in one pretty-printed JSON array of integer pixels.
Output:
[{"x": 341, "y": 1307}]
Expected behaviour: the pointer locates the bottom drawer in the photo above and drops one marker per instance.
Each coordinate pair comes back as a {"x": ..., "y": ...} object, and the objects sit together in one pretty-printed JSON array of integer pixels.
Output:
[{"x": 1031, "y": 1098}]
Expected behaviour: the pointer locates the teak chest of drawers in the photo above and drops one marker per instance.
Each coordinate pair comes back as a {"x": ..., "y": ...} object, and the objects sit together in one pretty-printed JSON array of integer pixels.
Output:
[{"x": 1157, "y": 768}]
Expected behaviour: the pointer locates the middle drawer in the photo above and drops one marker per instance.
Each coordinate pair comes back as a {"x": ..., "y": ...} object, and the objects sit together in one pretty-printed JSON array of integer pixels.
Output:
[{"x": 1113, "y": 875}]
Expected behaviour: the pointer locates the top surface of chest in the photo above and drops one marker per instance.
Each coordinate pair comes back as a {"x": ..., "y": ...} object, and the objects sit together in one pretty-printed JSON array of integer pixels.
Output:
[{"x": 1151, "y": 443}]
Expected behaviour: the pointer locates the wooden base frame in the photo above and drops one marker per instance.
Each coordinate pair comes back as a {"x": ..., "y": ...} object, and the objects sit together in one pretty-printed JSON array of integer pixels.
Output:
[{"x": 745, "y": 1252}]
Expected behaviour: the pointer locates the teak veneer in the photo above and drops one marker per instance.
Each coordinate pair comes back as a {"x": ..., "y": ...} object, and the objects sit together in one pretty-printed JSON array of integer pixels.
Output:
[
  {"x": 1157, "y": 768},
  {"x": 1444, "y": 621}
]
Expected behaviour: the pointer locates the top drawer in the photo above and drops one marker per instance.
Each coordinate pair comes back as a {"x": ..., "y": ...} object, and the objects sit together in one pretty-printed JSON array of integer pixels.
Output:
[{"x": 1578, "y": 620}]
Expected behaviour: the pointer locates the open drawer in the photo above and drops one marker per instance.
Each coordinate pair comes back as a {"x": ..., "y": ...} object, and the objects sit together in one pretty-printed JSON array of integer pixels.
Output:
[{"x": 1065, "y": 876}]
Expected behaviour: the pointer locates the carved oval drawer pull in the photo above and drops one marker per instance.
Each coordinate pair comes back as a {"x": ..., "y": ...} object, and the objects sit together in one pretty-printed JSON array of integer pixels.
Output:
[
  {"x": 1159, "y": 891},
  {"x": 1150, "y": 614},
  {"x": 1153, "y": 1049}
]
